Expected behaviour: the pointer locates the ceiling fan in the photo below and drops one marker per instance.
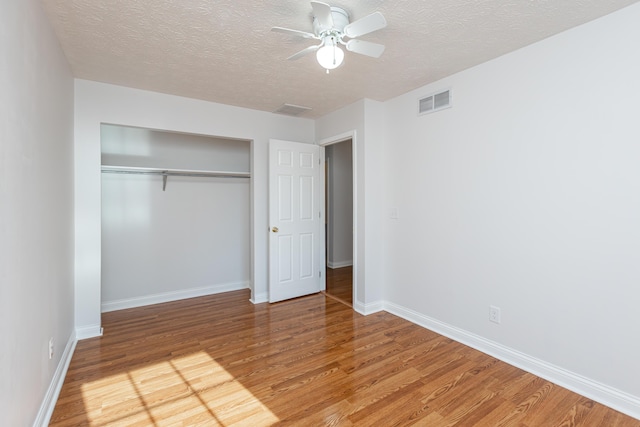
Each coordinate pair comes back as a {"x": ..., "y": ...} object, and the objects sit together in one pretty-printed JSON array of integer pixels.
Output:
[{"x": 331, "y": 26}]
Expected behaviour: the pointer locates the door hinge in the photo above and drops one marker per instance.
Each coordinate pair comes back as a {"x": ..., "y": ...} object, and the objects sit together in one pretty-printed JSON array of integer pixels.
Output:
[{"x": 319, "y": 274}]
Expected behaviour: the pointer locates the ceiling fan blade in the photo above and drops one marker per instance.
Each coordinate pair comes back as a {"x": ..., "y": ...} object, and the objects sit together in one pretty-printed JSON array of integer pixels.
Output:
[
  {"x": 366, "y": 25},
  {"x": 289, "y": 31},
  {"x": 303, "y": 52},
  {"x": 322, "y": 12},
  {"x": 365, "y": 48}
]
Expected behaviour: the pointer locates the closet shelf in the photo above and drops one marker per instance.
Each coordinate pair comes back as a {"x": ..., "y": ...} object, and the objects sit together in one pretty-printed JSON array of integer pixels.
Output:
[{"x": 172, "y": 172}]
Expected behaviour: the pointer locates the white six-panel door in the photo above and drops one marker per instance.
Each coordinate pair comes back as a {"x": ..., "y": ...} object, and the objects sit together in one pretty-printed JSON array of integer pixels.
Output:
[{"x": 294, "y": 220}]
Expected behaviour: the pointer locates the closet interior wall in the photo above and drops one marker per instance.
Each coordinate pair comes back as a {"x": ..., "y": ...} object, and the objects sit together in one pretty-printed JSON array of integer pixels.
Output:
[{"x": 188, "y": 239}]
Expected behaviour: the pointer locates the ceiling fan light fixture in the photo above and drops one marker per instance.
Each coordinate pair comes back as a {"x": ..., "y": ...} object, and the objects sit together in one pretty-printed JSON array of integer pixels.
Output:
[
  {"x": 330, "y": 55},
  {"x": 330, "y": 26}
]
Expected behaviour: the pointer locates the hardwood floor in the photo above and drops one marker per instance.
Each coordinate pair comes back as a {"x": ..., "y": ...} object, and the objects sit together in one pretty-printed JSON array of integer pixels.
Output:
[
  {"x": 340, "y": 283},
  {"x": 312, "y": 361}
]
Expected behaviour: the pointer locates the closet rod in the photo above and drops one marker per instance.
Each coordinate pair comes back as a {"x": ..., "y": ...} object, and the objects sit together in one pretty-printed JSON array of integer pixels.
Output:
[
  {"x": 172, "y": 172},
  {"x": 169, "y": 173}
]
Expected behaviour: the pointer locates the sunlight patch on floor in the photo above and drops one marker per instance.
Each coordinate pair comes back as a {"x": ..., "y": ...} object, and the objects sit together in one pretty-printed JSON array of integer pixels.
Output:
[{"x": 190, "y": 389}]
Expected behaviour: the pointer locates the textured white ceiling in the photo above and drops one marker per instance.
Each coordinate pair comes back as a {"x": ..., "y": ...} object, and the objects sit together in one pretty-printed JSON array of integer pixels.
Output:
[{"x": 224, "y": 51}]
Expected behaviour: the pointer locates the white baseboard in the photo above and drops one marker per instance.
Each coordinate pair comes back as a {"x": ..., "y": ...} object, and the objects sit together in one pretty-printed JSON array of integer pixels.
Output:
[
  {"x": 91, "y": 331},
  {"x": 369, "y": 308},
  {"x": 609, "y": 396},
  {"x": 51, "y": 397},
  {"x": 339, "y": 264},
  {"x": 171, "y": 296},
  {"x": 259, "y": 298}
]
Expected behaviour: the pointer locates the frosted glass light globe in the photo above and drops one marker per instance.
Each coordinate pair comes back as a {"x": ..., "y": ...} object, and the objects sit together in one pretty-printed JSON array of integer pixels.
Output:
[{"x": 330, "y": 56}]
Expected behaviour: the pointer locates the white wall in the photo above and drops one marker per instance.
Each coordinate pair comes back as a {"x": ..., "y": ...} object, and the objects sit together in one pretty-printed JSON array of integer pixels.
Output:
[
  {"x": 192, "y": 239},
  {"x": 101, "y": 103},
  {"x": 36, "y": 210},
  {"x": 374, "y": 208},
  {"x": 525, "y": 195},
  {"x": 340, "y": 201},
  {"x": 138, "y": 147}
]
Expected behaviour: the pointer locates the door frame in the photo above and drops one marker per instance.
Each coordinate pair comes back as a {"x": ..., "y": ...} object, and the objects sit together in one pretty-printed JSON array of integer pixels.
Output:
[{"x": 323, "y": 143}]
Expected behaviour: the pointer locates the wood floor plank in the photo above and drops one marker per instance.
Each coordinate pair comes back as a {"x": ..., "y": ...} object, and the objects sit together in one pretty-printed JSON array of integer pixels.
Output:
[
  {"x": 312, "y": 361},
  {"x": 340, "y": 283}
]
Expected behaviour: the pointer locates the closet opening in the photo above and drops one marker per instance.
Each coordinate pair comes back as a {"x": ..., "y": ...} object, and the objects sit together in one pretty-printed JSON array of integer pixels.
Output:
[{"x": 176, "y": 216}]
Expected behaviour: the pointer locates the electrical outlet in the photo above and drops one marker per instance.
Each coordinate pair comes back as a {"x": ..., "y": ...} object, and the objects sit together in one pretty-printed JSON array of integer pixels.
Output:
[
  {"x": 51, "y": 348},
  {"x": 494, "y": 314}
]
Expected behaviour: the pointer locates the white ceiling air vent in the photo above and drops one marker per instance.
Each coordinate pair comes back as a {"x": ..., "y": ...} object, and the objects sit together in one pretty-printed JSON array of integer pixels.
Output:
[
  {"x": 291, "y": 110},
  {"x": 434, "y": 102}
]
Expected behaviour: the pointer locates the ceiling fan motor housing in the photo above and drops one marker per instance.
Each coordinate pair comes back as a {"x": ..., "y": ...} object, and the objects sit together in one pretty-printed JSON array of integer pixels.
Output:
[{"x": 340, "y": 20}]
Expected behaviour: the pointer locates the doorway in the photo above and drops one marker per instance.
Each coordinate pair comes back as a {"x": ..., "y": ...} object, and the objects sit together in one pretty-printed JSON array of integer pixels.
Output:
[{"x": 339, "y": 220}]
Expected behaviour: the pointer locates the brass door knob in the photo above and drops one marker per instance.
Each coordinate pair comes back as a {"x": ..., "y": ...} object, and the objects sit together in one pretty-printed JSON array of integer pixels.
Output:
[{"x": 275, "y": 229}]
